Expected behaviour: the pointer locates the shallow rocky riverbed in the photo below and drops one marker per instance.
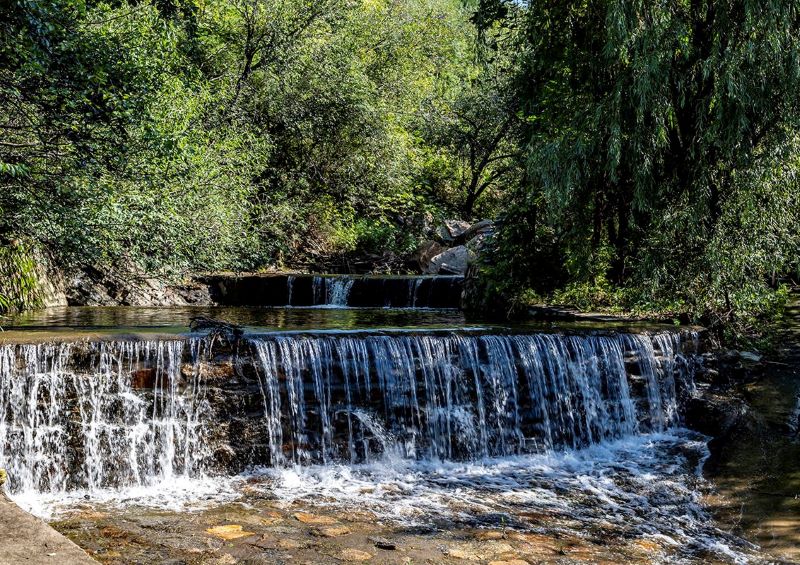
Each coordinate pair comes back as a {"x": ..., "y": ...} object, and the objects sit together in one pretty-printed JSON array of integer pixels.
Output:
[
  {"x": 638, "y": 500},
  {"x": 265, "y": 532}
]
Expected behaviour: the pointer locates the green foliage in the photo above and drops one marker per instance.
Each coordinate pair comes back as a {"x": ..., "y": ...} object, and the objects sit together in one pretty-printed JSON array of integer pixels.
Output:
[
  {"x": 662, "y": 149},
  {"x": 475, "y": 156},
  {"x": 19, "y": 280},
  {"x": 639, "y": 156},
  {"x": 229, "y": 134}
]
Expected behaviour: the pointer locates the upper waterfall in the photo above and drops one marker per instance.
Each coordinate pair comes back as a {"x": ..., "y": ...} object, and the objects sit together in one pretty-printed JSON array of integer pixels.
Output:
[{"x": 354, "y": 291}]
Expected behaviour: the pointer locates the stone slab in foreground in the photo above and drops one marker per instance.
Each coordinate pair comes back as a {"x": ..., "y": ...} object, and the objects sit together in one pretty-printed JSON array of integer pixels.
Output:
[{"x": 27, "y": 539}]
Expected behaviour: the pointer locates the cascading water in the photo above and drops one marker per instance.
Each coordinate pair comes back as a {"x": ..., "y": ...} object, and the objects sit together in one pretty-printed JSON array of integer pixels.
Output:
[
  {"x": 339, "y": 291},
  {"x": 289, "y": 289},
  {"x": 117, "y": 414},
  {"x": 463, "y": 397},
  {"x": 63, "y": 429},
  {"x": 450, "y": 428},
  {"x": 331, "y": 291}
]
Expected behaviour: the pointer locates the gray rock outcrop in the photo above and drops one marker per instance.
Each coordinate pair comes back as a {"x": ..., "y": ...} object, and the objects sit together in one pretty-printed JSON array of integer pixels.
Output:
[{"x": 457, "y": 244}]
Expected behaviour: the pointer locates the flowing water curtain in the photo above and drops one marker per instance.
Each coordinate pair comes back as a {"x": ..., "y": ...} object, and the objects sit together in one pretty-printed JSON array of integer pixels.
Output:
[
  {"x": 138, "y": 413},
  {"x": 74, "y": 418},
  {"x": 445, "y": 397},
  {"x": 331, "y": 291},
  {"x": 34, "y": 433}
]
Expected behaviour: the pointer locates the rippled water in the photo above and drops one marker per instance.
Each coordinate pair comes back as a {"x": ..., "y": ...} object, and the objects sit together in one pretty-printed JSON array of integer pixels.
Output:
[{"x": 644, "y": 487}]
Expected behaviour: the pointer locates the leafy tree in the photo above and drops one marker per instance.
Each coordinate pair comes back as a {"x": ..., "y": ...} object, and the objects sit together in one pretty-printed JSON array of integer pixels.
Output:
[
  {"x": 337, "y": 90},
  {"x": 173, "y": 135},
  {"x": 664, "y": 133}
]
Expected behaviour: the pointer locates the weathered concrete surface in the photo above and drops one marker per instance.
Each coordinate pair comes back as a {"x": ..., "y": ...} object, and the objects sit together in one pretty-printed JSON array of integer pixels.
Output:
[{"x": 26, "y": 539}]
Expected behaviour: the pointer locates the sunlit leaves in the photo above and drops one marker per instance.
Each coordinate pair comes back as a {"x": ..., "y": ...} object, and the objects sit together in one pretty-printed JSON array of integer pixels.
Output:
[{"x": 666, "y": 131}]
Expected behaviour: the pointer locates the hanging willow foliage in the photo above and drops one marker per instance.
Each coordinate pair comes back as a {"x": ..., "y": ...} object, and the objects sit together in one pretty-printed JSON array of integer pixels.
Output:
[{"x": 663, "y": 154}]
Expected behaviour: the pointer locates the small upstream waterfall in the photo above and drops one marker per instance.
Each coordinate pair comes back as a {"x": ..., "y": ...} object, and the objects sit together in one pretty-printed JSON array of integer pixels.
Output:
[
  {"x": 331, "y": 291},
  {"x": 360, "y": 291},
  {"x": 114, "y": 414},
  {"x": 289, "y": 289}
]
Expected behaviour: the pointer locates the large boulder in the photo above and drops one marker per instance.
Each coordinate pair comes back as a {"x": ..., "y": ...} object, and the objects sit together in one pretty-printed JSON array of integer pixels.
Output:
[
  {"x": 103, "y": 287},
  {"x": 484, "y": 228},
  {"x": 454, "y": 261},
  {"x": 452, "y": 230},
  {"x": 426, "y": 251}
]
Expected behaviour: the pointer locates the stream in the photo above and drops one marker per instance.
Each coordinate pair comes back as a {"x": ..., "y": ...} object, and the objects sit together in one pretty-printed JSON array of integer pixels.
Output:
[{"x": 318, "y": 429}]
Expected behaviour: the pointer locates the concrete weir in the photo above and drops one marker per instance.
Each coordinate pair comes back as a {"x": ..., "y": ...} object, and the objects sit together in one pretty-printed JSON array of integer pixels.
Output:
[
  {"x": 355, "y": 291},
  {"x": 29, "y": 540}
]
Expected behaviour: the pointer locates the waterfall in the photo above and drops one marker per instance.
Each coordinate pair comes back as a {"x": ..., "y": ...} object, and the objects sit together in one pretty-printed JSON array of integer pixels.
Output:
[
  {"x": 463, "y": 397},
  {"x": 361, "y": 291},
  {"x": 413, "y": 291},
  {"x": 331, "y": 291},
  {"x": 289, "y": 289},
  {"x": 112, "y": 414},
  {"x": 339, "y": 291},
  {"x": 62, "y": 429}
]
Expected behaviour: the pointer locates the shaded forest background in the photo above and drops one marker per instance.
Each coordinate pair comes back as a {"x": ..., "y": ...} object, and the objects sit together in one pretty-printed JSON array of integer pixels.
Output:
[{"x": 637, "y": 156}]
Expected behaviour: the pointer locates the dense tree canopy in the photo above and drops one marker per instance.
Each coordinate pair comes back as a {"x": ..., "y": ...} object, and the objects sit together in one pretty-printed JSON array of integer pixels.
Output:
[
  {"x": 661, "y": 148},
  {"x": 637, "y": 154},
  {"x": 225, "y": 133}
]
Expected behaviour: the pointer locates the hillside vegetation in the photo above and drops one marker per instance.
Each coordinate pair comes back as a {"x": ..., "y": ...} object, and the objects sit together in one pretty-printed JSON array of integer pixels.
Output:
[{"x": 638, "y": 156}]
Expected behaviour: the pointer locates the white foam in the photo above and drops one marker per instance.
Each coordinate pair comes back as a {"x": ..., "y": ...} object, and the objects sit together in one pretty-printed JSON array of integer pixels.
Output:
[
  {"x": 644, "y": 486},
  {"x": 178, "y": 494},
  {"x": 639, "y": 487}
]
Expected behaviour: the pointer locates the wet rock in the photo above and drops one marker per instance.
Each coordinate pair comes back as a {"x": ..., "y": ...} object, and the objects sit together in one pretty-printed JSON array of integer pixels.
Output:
[
  {"x": 484, "y": 227},
  {"x": 143, "y": 378},
  {"x": 383, "y": 543},
  {"x": 315, "y": 519},
  {"x": 490, "y": 535},
  {"x": 127, "y": 285},
  {"x": 229, "y": 532},
  {"x": 750, "y": 356},
  {"x": 289, "y": 544},
  {"x": 269, "y": 542},
  {"x": 728, "y": 357},
  {"x": 330, "y": 531},
  {"x": 454, "y": 261},
  {"x": 714, "y": 415},
  {"x": 649, "y": 546},
  {"x": 285, "y": 531},
  {"x": 464, "y": 552},
  {"x": 351, "y": 554},
  {"x": 265, "y": 542},
  {"x": 217, "y": 371},
  {"x": 498, "y": 547},
  {"x": 427, "y": 251},
  {"x": 154, "y": 524},
  {"x": 451, "y": 230},
  {"x": 270, "y": 518},
  {"x": 477, "y": 243}
]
